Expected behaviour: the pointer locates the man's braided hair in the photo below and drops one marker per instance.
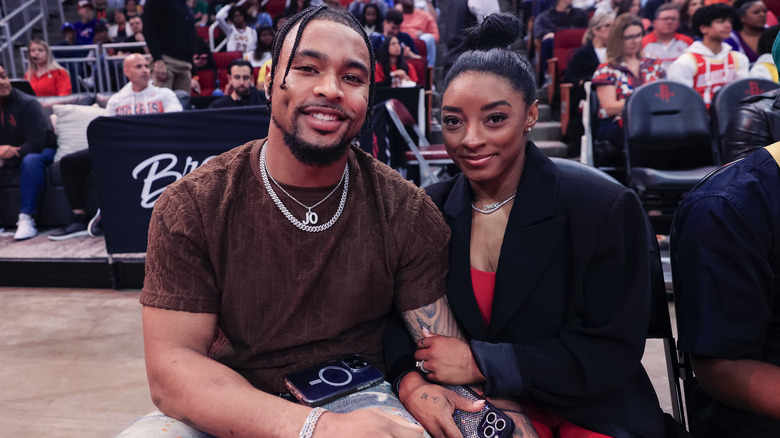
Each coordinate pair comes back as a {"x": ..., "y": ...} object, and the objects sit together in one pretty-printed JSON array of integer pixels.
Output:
[{"x": 321, "y": 12}]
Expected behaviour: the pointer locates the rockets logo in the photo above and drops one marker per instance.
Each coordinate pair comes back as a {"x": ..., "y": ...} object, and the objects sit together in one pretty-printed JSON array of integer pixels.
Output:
[{"x": 664, "y": 93}]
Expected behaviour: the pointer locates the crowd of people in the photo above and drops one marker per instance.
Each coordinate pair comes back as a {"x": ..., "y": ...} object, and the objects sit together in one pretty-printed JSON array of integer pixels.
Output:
[{"x": 703, "y": 46}]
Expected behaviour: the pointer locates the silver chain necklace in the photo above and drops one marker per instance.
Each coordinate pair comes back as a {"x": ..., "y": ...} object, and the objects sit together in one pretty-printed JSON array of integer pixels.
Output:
[
  {"x": 311, "y": 217},
  {"x": 492, "y": 208}
]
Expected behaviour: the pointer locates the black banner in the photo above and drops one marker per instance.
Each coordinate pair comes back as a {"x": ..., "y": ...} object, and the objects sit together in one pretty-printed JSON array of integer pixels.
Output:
[{"x": 134, "y": 158}]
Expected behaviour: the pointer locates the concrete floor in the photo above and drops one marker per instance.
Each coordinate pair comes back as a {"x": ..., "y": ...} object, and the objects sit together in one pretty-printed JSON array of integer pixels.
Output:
[{"x": 71, "y": 363}]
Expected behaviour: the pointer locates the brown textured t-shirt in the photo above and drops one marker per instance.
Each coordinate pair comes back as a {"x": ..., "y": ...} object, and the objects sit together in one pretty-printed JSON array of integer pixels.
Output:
[{"x": 288, "y": 299}]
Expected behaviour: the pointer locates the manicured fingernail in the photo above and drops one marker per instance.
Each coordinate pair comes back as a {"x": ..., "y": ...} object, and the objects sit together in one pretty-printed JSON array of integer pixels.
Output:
[
  {"x": 480, "y": 402},
  {"x": 426, "y": 331}
]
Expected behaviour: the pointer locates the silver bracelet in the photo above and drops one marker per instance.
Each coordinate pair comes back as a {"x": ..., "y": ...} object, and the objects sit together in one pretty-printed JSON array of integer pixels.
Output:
[{"x": 311, "y": 422}]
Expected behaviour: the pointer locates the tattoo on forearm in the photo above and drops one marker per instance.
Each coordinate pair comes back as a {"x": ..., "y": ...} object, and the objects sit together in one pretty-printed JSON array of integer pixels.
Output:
[{"x": 436, "y": 317}]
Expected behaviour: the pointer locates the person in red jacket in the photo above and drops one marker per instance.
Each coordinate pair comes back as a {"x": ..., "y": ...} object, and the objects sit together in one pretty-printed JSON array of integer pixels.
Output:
[{"x": 46, "y": 76}]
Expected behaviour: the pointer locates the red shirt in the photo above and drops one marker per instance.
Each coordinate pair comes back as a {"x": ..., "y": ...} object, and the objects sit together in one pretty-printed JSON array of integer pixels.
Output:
[
  {"x": 53, "y": 83},
  {"x": 379, "y": 74},
  {"x": 484, "y": 285}
]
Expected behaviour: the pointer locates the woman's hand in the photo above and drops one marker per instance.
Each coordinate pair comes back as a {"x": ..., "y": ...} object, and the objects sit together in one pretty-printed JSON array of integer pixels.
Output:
[
  {"x": 400, "y": 75},
  {"x": 448, "y": 360},
  {"x": 433, "y": 405}
]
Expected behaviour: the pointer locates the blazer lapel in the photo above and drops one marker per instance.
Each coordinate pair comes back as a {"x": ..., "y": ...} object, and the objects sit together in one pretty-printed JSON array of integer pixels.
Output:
[
  {"x": 532, "y": 236},
  {"x": 457, "y": 211}
]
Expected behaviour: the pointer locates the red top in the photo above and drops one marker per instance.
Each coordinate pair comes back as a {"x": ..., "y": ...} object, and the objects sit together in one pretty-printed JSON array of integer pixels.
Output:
[
  {"x": 484, "y": 284},
  {"x": 379, "y": 74},
  {"x": 53, "y": 83}
]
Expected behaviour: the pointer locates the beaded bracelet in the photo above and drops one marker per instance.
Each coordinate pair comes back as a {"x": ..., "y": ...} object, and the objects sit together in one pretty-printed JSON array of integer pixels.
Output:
[{"x": 311, "y": 422}]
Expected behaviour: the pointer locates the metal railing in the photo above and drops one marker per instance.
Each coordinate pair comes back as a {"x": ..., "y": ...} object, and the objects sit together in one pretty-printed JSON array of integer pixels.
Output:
[
  {"x": 212, "y": 31},
  {"x": 16, "y": 26},
  {"x": 93, "y": 68}
]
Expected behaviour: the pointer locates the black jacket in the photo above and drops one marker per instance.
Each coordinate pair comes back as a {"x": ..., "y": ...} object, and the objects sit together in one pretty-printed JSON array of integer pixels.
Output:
[
  {"x": 755, "y": 124},
  {"x": 255, "y": 97},
  {"x": 23, "y": 124},
  {"x": 572, "y": 298}
]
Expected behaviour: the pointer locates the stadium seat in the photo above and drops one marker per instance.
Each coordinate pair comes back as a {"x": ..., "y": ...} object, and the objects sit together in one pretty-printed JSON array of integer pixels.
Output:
[
  {"x": 726, "y": 101},
  {"x": 668, "y": 146},
  {"x": 565, "y": 43}
]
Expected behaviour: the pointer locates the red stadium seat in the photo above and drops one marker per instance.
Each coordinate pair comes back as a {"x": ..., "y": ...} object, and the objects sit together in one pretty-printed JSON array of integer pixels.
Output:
[
  {"x": 274, "y": 8},
  {"x": 207, "y": 82},
  {"x": 565, "y": 43}
]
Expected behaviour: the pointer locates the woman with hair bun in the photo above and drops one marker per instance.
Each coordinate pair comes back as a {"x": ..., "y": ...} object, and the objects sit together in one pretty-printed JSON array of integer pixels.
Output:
[{"x": 549, "y": 270}]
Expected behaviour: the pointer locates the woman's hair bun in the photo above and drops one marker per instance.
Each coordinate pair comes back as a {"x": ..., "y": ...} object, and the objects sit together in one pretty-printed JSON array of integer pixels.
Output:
[{"x": 497, "y": 30}]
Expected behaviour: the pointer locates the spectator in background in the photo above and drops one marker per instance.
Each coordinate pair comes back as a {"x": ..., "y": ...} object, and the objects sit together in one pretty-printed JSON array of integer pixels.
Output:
[
  {"x": 371, "y": 19},
  {"x": 580, "y": 70},
  {"x": 561, "y": 17},
  {"x": 633, "y": 7},
  {"x": 664, "y": 43},
  {"x": 132, "y": 9},
  {"x": 46, "y": 76},
  {"x": 687, "y": 10},
  {"x": 101, "y": 36},
  {"x": 137, "y": 29},
  {"x": 607, "y": 7},
  {"x": 102, "y": 11},
  {"x": 26, "y": 143},
  {"x": 256, "y": 15},
  {"x": 391, "y": 68},
  {"x": 240, "y": 37},
  {"x": 462, "y": 15},
  {"x": 391, "y": 27},
  {"x": 296, "y": 6},
  {"x": 357, "y": 6},
  {"x": 85, "y": 27},
  {"x": 422, "y": 25},
  {"x": 765, "y": 67},
  {"x": 279, "y": 21},
  {"x": 169, "y": 30},
  {"x": 203, "y": 60},
  {"x": 120, "y": 30},
  {"x": 616, "y": 79},
  {"x": 264, "y": 48},
  {"x": 200, "y": 11},
  {"x": 138, "y": 96},
  {"x": 240, "y": 91},
  {"x": 752, "y": 22},
  {"x": 710, "y": 63}
]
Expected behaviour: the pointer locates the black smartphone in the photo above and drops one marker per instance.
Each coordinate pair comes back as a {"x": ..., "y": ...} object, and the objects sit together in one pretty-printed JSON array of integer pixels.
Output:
[
  {"x": 324, "y": 383},
  {"x": 490, "y": 422}
]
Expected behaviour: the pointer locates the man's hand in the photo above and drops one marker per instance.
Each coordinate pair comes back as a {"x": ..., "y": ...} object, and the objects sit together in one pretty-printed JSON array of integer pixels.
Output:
[
  {"x": 433, "y": 405},
  {"x": 449, "y": 360},
  {"x": 7, "y": 152},
  {"x": 160, "y": 71},
  {"x": 366, "y": 422}
]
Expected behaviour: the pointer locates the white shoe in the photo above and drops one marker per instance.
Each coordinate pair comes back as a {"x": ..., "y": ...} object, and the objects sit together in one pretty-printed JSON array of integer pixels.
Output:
[{"x": 25, "y": 228}]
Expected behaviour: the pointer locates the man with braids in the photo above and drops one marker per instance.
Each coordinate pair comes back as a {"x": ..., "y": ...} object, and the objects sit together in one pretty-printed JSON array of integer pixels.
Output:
[{"x": 288, "y": 252}]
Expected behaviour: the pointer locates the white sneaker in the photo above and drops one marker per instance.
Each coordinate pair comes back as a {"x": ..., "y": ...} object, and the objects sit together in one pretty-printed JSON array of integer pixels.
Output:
[{"x": 25, "y": 228}]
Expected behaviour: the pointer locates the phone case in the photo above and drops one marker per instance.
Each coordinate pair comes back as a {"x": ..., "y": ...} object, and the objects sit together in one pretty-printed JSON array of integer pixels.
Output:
[
  {"x": 324, "y": 383},
  {"x": 490, "y": 422}
]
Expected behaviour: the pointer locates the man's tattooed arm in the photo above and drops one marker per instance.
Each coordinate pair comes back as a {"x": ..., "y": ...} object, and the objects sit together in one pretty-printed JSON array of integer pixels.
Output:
[{"x": 436, "y": 317}]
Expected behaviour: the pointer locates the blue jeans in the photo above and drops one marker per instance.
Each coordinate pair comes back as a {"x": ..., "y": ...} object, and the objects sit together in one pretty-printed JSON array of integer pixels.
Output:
[
  {"x": 158, "y": 425},
  {"x": 430, "y": 47},
  {"x": 32, "y": 179}
]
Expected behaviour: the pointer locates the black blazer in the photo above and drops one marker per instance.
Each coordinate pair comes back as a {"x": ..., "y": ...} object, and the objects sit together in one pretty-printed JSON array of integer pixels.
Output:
[{"x": 572, "y": 298}]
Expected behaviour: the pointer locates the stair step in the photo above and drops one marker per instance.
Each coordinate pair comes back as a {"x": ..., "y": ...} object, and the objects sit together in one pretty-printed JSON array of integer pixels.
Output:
[
  {"x": 546, "y": 131},
  {"x": 553, "y": 148},
  {"x": 545, "y": 112}
]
